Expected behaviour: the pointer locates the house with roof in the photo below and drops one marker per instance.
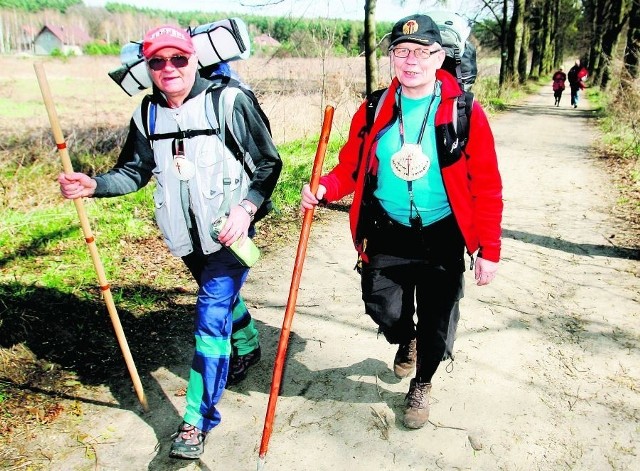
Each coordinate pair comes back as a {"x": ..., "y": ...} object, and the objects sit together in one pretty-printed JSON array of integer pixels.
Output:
[{"x": 66, "y": 39}]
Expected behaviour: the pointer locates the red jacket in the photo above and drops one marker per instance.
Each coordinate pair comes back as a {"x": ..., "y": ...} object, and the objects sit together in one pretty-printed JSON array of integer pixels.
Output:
[
  {"x": 472, "y": 181},
  {"x": 559, "y": 78}
]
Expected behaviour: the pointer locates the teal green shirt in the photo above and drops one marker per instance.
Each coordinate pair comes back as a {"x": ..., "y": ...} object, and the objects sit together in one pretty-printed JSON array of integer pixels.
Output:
[{"x": 429, "y": 194}]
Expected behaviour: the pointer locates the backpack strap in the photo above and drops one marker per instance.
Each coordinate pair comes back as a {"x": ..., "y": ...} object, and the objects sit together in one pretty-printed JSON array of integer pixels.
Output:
[
  {"x": 373, "y": 104},
  {"x": 187, "y": 134},
  {"x": 226, "y": 180},
  {"x": 463, "y": 117},
  {"x": 230, "y": 139},
  {"x": 145, "y": 108},
  {"x": 148, "y": 115}
]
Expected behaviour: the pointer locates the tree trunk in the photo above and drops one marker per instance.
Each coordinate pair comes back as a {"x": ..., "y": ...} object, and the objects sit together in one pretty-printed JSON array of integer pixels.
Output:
[
  {"x": 632, "y": 50},
  {"x": 523, "y": 55},
  {"x": 556, "y": 37},
  {"x": 611, "y": 39},
  {"x": 515, "y": 38},
  {"x": 546, "y": 56},
  {"x": 595, "y": 52},
  {"x": 535, "y": 28},
  {"x": 504, "y": 29},
  {"x": 371, "y": 60}
]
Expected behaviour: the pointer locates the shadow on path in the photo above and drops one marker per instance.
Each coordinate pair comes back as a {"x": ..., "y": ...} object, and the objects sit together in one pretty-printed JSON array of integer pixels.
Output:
[
  {"x": 76, "y": 337},
  {"x": 571, "y": 247}
]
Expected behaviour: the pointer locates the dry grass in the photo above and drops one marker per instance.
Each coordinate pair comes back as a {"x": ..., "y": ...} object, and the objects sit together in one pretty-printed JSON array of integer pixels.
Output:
[{"x": 294, "y": 93}]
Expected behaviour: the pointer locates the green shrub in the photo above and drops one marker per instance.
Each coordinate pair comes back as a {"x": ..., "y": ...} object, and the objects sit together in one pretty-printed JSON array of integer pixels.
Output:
[{"x": 101, "y": 49}]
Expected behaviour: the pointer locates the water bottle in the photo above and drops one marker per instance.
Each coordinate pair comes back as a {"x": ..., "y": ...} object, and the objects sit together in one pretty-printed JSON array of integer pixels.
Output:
[{"x": 246, "y": 252}]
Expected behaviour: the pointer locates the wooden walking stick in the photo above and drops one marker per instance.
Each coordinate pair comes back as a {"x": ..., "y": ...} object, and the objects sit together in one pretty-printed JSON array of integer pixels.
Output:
[
  {"x": 88, "y": 235},
  {"x": 293, "y": 290}
]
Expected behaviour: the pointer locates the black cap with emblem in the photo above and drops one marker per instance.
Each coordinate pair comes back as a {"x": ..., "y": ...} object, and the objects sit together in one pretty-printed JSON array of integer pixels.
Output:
[{"x": 419, "y": 29}]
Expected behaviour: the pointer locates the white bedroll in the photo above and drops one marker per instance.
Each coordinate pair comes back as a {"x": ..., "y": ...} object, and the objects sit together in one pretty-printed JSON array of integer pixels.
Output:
[{"x": 224, "y": 40}]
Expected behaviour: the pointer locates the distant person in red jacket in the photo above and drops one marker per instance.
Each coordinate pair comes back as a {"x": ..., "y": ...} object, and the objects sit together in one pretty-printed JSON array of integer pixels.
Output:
[
  {"x": 577, "y": 75},
  {"x": 559, "y": 79},
  {"x": 419, "y": 200}
]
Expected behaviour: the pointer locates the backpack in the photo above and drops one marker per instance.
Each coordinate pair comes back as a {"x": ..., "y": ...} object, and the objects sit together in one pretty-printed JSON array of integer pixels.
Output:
[
  {"x": 558, "y": 81},
  {"x": 460, "y": 60},
  {"x": 220, "y": 84}
]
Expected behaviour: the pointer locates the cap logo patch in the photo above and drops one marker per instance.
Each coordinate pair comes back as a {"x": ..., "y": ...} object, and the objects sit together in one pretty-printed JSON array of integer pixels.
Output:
[{"x": 410, "y": 27}]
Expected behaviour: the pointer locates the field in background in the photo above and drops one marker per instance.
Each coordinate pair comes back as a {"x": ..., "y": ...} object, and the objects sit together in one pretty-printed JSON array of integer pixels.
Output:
[
  {"x": 85, "y": 96},
  {"x": 293, "y": 92}
]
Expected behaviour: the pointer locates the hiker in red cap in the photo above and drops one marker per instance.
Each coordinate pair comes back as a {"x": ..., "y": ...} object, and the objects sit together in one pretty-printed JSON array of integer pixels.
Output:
[{"x": 199, "y": 180}]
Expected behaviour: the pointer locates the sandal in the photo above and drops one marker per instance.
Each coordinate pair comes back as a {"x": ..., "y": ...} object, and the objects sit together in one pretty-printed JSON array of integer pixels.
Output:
[{"x": 188, "y": 442}]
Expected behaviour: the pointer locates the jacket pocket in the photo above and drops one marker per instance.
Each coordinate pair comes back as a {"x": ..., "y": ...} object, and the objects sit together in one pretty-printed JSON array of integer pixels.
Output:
[
  {"x": 211, "y": 174},
  {"x": 163, "y": 218}
]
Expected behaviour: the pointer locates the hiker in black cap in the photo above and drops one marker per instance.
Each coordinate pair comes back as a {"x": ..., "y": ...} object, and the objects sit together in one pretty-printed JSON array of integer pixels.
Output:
[{"x": 419, "y": 200}]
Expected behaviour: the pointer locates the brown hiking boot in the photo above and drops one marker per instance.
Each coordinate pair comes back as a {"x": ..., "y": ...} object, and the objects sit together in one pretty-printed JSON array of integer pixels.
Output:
[
  {"x": 416, "y": 413},
  {"x": 405, "y": 360}
]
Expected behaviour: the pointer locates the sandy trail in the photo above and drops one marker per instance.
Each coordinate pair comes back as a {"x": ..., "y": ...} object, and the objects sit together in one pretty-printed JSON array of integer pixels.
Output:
[{"x": 547, "y": 367}]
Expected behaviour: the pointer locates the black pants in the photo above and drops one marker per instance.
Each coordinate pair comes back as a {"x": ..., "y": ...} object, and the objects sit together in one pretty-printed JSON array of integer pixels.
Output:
[
  {"x": 417, "y": 272},
  {"x": 558, "y": 95}
]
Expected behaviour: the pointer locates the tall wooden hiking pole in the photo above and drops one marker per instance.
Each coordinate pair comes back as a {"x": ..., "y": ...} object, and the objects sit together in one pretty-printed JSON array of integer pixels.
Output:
[
  {"x": 88, "y": 235},
  {"x": 293, "y": 290}
]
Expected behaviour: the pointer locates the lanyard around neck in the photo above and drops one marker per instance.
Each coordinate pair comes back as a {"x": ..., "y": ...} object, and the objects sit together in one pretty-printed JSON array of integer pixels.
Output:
[
  {"x": 416, "y": 221},
  {"x": 424, "y": 121}
]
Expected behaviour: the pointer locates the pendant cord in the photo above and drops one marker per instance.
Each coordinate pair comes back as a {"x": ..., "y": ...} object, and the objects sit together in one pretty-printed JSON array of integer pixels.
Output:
[
  {"x": 417, "y": 220},
  {"x": 424, "y": 121}
]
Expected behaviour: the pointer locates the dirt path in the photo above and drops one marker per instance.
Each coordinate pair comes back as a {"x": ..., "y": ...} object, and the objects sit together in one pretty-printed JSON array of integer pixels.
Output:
[{"x": 547, "y": 367}]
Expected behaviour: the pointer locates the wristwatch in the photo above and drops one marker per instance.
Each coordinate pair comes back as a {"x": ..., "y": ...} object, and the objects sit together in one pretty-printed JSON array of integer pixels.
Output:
[{"x": 247, "y": 207}]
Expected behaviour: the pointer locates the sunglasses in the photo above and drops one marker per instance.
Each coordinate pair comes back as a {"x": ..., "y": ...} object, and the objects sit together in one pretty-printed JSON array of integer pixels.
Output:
[{"x": 159, "y": 63}]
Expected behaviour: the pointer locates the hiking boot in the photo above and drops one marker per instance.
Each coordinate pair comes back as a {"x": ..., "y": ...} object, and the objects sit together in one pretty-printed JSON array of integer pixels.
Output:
[
  {"x": 239, "y": 364},
  {"x": 188, "y": 442},
  {"x": 405, "y": 360},
  {"x": 416, "y": 412}
]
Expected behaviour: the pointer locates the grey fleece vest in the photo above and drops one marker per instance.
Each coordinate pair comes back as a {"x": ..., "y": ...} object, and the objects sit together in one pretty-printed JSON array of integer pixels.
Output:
[{"x": 203, "y": 193}]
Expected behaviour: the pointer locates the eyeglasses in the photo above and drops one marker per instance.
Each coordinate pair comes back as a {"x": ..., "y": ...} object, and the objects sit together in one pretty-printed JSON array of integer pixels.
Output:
[
  {"x": 419, "y": 52},
  {"x": 159, "y": 63}
]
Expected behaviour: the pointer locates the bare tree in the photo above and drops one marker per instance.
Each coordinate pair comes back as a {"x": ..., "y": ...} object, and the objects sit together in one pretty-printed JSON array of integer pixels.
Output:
[
  {"x": 516, "y": 32},
  {"x": 632, "y": 49},
  {"x": 617, "y": 16},
  {"x": 523, "y": 56},
  {"x": 370, "y": 46}
]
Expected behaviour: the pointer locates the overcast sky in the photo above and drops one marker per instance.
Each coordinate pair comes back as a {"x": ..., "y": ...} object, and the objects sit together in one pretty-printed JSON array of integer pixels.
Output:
[{"x": 386, "y": 10}]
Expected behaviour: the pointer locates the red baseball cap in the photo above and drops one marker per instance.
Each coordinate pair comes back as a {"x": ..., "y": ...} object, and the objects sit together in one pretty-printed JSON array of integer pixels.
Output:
[{"x": 166, "y": 36}]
